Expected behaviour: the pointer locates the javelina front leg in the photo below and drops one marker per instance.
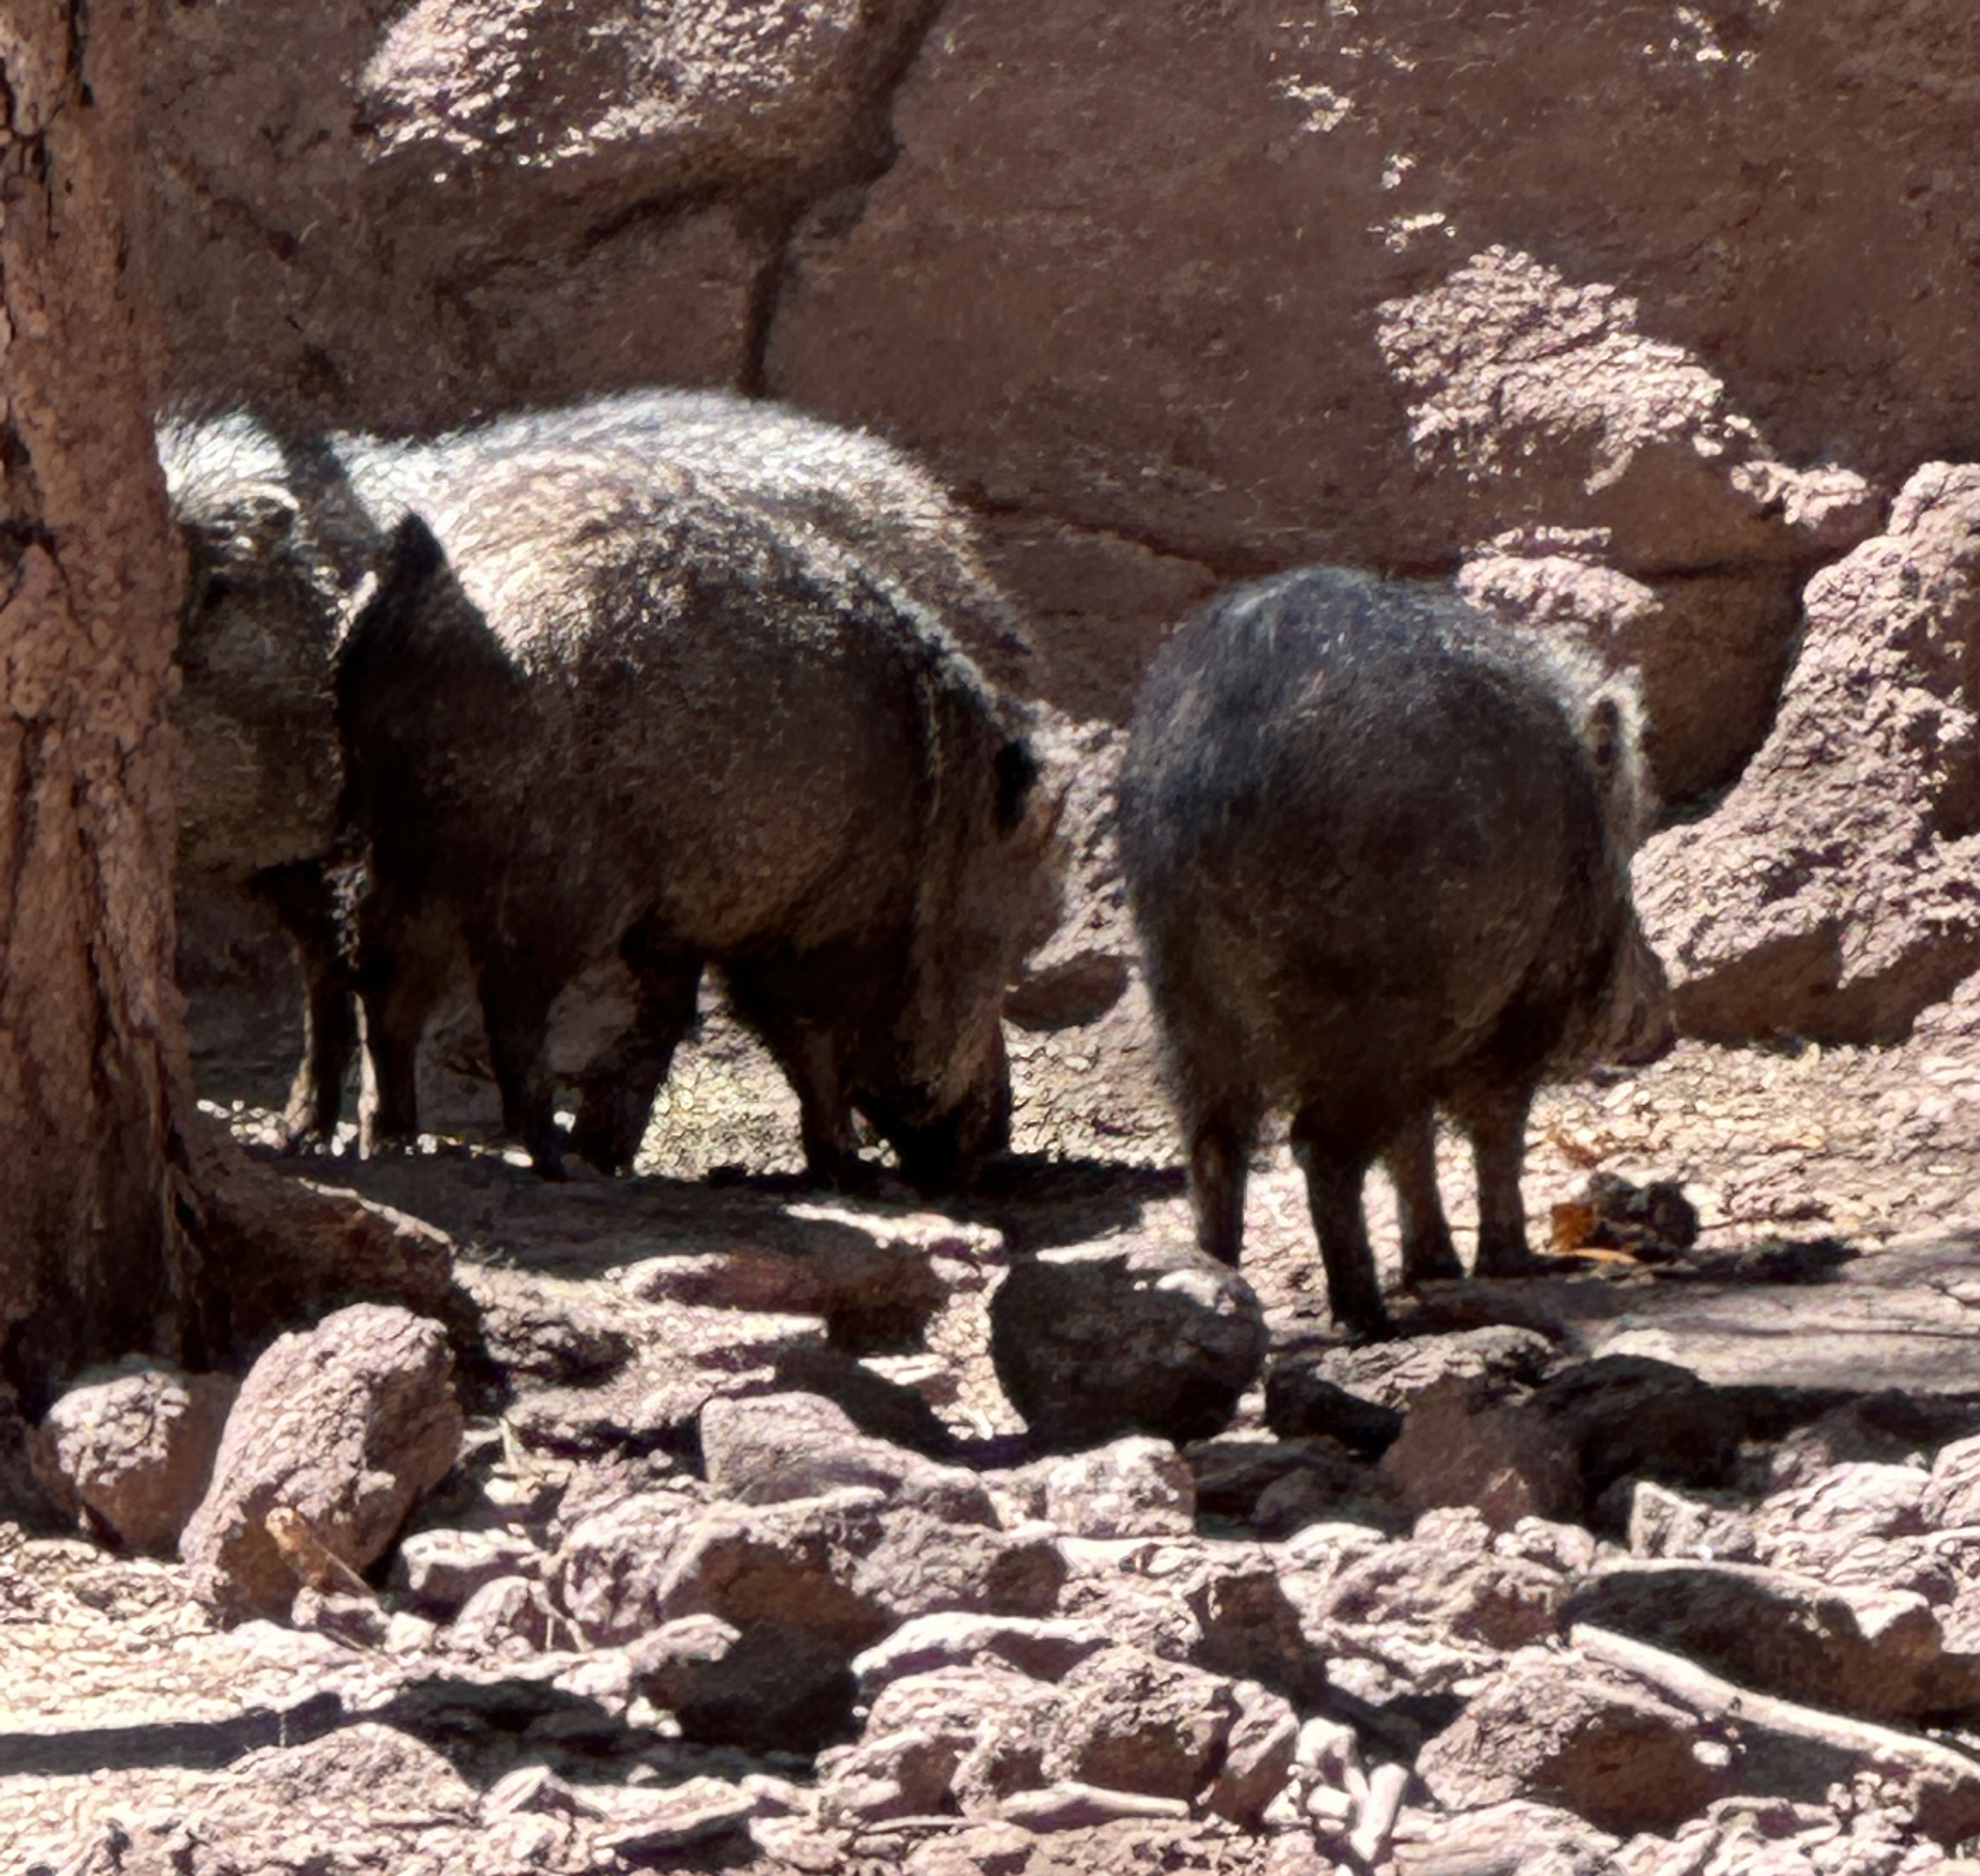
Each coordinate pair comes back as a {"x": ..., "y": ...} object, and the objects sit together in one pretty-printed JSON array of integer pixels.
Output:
[
  {"x": 810, "y": 1058},
  {"x": 1333, "y": 1179},
  {"x": 330, "y": 1041},
  {"x": 515, "y": 1002},
  {"x": 1428, "y": 1255},
  {"x": 616, "y": 1092},
  {"x": 811, "y": 1053},
  {"x": 395, "y": 1006},
  {"x": 301, "y": 897},
  {"x": 1498, "y": 1130},
  {"x": 1220, "y": 1163}
]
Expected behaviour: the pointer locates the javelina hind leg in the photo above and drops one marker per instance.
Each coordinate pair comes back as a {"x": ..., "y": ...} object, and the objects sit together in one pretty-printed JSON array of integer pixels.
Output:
[
  {"x": 515, "y": 1000},
  {"x": 301, "y": 898},
  {"x": 812, "y": 1055},
  {"x": 1220, "y": 1160},
  {"x": 1428, "y": 1254},
  {"x": 330, "y": 1041},
  {"x": 1498, "y": 1129},
  {"x": 395, "y": 1005},
  {"x": 616, "y": 1092},
  {"x": 809, "y": 1056},
  {"x": 1333, "y": 1179}
]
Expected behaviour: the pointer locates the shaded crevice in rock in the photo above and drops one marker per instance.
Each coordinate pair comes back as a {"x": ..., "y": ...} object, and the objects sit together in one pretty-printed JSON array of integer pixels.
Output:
[{"x": 869, "y": 150}]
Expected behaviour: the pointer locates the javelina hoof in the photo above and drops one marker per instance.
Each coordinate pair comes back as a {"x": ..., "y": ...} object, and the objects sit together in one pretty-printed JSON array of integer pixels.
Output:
[
  {"x": 1433, "y": 1262},
  {"x": 846, "y": 1173},
  {"x": 546, "y": 1159},
  {"x": 1363, "y": 1324},
  {"x": 1505, "y": 1257}
]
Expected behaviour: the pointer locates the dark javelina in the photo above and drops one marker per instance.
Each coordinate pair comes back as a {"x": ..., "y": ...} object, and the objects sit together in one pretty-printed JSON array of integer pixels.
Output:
[
  {"x": 277, "y": 536},
  {"x": 1378, "y": 854},
  {"x": 630, "y": 709}
]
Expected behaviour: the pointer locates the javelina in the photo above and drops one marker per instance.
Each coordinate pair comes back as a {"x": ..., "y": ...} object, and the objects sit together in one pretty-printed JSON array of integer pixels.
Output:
[
  {"x": 279, "y": 533},
  {"x": 261, "y": 770},
  {"x": 629, "y": 708},
  {"x": 1378, "y": 855}
]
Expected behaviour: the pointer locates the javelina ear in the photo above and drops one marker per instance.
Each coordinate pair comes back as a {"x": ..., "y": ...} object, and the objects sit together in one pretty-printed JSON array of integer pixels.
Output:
[
  {"x": 412, "y": 562},
  {"x": 1601, "y": 736}
]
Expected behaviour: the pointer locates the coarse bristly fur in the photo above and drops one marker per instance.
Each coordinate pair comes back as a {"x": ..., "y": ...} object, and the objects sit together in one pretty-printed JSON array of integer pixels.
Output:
[
  {"x": 1377, "y": 850},
  {"x": 673, "y": 672}
]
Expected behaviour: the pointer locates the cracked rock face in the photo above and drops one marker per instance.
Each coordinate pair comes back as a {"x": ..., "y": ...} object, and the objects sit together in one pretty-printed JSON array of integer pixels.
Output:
[
  {"x": 1418, "y": 337},
  {"x": 342, "y": 1427},
  {"x": 1830, "y": 895}
]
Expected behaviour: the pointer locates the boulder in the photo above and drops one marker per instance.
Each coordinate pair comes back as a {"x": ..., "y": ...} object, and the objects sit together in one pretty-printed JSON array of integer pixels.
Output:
[
  {"x": 1952, "y": 1495},
  {"x": 1829, "y": 895},
  {"x": 1558, "y": 1730},
  {"x": 1858, "y": 1499},
  {"x": 1276, "y": 1486},
  {"x": 344, "y": 1426},
  {"x": 135, "y": 1450},
  {"x": 1503, "y": 1358},
  {"x": 843, "y": 1569},
  {"x": 961, "y": 1737},
  {"x": 1458, "y": 1446},
  {"x": 1126, "y": 1335},
  {"x": 771, "y": 1687},
  {"x": 650, "y": 1560},
  {"x": 546, "y": 1330},
  {"x": 1128, "y": 1721},
  {"x": 1630, "y": 1417},
  {"x": 764, "y": 1448},
  {"x": 1257, "y": 1755},
  {"x": 1463, "y": 1592},
  {"x": 1878, "y": 1653},
  {"x": 1300, "y": 1402}
]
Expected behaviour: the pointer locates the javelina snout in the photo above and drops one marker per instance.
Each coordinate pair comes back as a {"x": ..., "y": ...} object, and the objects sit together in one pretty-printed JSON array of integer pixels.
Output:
[
  {"x": 1378, "y": 852},
  {"x": 1644, "y": 1024}
]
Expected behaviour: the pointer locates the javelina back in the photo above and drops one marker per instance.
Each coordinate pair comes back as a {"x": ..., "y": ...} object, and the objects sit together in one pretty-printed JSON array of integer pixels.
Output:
[
  {"x": 1378, "y": 855},
  {"x": 279, "y": 533},
  {"x": 629, "y": 708}
]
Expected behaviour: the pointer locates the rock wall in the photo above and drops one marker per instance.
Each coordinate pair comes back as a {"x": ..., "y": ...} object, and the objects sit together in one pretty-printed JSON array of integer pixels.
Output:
[
  {"x": 1634, "y": 316},
  {"x": 1173, "y": 294}
]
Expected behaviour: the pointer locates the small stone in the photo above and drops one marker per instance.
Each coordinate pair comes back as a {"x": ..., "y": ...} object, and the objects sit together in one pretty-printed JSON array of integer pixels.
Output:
[
  {"x": 135, "y": 1449},
  {"x": 1135, "y": 1487},
  {"x": 690, "y": 1816},
  {"x": 438, "y": 1570},
  {"x": 1069, "y": 1805}
]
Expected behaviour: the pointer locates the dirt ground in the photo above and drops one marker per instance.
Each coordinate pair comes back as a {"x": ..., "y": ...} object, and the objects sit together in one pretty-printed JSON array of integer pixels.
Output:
[{"x": 1878, "y": 1147}]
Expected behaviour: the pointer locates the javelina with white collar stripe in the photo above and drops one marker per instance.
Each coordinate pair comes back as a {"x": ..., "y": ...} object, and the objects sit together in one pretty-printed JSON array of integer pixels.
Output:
[
  {"x": 278, "y": 536},
  {"x": 1378, "y": 855},
  {"x": 628, "y": 708}
]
